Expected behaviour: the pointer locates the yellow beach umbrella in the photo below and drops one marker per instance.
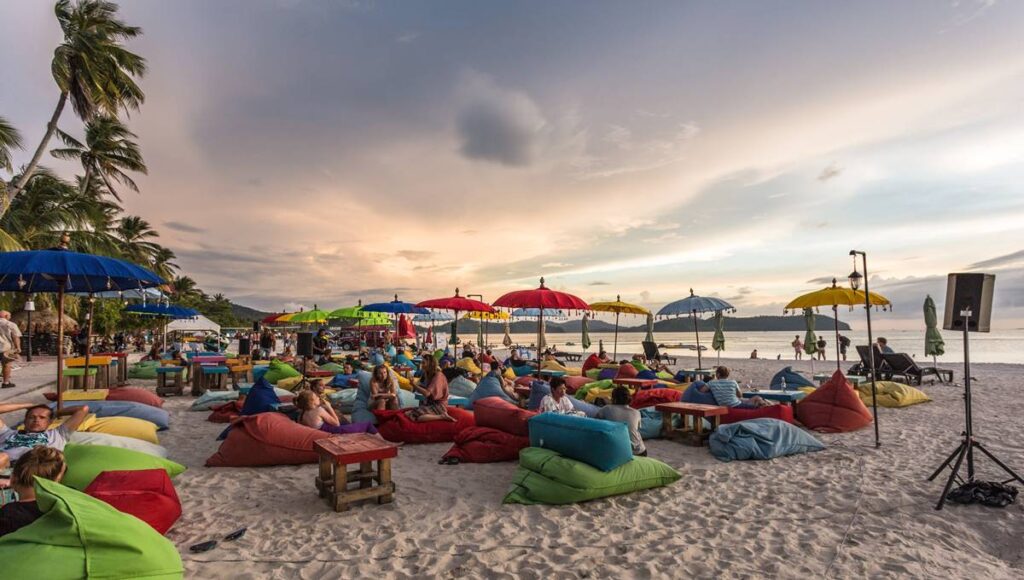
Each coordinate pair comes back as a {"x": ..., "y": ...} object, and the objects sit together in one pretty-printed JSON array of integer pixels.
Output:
[
  {"x": 618, "y": 307},
  {"x": 488, "y": 316},
  {"x": 836, "y": 296}
]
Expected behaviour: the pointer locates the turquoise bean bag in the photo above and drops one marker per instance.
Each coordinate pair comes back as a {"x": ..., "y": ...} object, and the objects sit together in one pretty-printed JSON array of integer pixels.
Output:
[
  {"x": 602, "y": 444},
  {"x": 760, "y": 439},
  {"x": 487, "y": 387}
]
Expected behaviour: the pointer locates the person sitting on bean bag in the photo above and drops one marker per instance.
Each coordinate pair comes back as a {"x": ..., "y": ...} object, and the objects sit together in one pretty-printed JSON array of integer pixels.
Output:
[
  {"x": 42, "y": 462},
  {"x": 557, "y": 402},
  {"x": 434, "y": 406},
  {"x": 595, "y": 360},
  {"x": 727, "y": 392},
  {"x": 383, "y": 389},
  {"x": 620, "y": 412},
  {"x": 36, "y": 432},
  {"x": 469, "y": 364}
]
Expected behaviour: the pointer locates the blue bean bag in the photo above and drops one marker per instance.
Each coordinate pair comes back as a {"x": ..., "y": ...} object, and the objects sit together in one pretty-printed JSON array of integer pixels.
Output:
[
  {"x": 344, "y": 400},
  {"x": 760, "y": 439},
  {"x": 461, "y": 387},
  {"x": 360, "y": 413},
  {"x": 540, "y": 389},
  {"x": 101, "y": 409},
  {"x": 340, "y": 381},
  {"x": 607, "y": 374},
  {"x": 601, "y": 444},
  {"x": 650, "y": 424},
  {"x": 793, "y": 379},
  {"x": 692, "y": 394},
  {"x": 647, "y": 374},
  {"x": 258, "y": 371},
  {"x": 487, "y": 387},
  {"x": 522, "y": 371},
  {"x": 261, "y": 399}
]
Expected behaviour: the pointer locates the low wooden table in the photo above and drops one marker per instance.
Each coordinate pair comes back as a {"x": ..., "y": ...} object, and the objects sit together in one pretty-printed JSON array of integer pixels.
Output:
[
  {"x": 776, "y": 395},
  {"x": 122, "y": 365},
  {"x": 695, "y": 435},
  {"x": 697, "y": 374},
  {"x": 319, "y": 374},
  {"x": 333, "y": 479},
  {"x": 637, "y": 384}
]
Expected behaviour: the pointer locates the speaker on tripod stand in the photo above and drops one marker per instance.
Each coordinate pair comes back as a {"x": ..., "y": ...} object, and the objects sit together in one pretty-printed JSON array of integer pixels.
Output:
[
  {"x": 968, "y": 309},
  {"x": 304, "y": 349}
]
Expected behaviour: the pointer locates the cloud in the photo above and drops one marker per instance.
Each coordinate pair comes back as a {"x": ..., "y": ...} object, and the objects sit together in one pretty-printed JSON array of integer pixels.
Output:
[
  {"x": 555, "y": 265},
  {"x": 407, "y": 38},
  {"x": 183, "y": 227},
  {"x": 498, "y": 125},
  {"x": 822, "y": 280},
  {"x": 830, "y": 172},
  {"x": 1013, "y": 259},
  {"x": 294, "y": 307},
  {"x": 599, "y": 283},
  {"x": 414, "y": 255}
]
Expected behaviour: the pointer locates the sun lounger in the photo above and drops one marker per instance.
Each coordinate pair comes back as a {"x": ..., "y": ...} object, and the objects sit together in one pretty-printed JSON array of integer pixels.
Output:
[
  {"x": 881, "y": 370},
  {"x": 651, "y": 353},
  {"x": 901, "y": 364}
]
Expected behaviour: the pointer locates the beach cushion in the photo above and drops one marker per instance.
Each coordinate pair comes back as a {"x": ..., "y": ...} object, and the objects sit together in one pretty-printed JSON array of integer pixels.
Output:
[
  {"x": 289, "y": 383},
  {"x": 123, "y": 426},
  {"x": 225, "y": 413},
  {"x": 583, "y": 391},
  {"x": 540, "y": 389},
  {"x": 341, "y": 381},
  {"x": 736, "y": 414},
  {"x": 135, "y": 394},
  {"x": 82, "y": 537},
  {"x": 651, "y": 423},
  {"x": 572, "y": 384},
  {"x": 461, "y": 387},
  {"x": 103, "y": 409},
  {"x": 500, "y": 414},
  {"x": 266, "y": 439},
  {"x": 891, "y": 394},
  {"x": 83, "y": 438},
  {"x": 360, "y": 413},
  {"x": 760, "y": 439},
  {"x": 344, "y": 400},
  {"x": 260, "y": 371},
  {"x": 601, "y": 396},
  {"x": 486, "y": 445},
  {"x": 279, "y": 370},
  {"x": 607, "y": 374},
  {"x": 261, "y": 398},
  {"x": 396, "y": 426},
  {"x": 333, "y": 367},
  {"x": 602, "y": 444},
  {"x": 692, "y": 394},
  {"x": 793, "y": 379},
  {"x": 85, "y": 462},
  {"x": 143, "y": 370},
  {"x": 80, "y": 395},
  {"x": 652, "y": 397},
  {"x": 545, "y": 477},
  {"x": 626, "y": 371},
  {"x": 487, "y": 387},
  {"x": 835, "y": 407},
  {"x": 592, "y": 374},
  {"x": 522, "y": 371},
  {"x": 147, "y": 494}
]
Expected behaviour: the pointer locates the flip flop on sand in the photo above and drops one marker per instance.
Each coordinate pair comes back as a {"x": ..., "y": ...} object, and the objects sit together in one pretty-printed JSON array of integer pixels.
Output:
[{"x": 207, "y": 546}]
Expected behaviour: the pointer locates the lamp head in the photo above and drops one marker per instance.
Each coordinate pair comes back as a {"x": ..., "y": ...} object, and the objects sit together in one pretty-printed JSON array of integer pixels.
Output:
[{"x": 855, "y": 279}]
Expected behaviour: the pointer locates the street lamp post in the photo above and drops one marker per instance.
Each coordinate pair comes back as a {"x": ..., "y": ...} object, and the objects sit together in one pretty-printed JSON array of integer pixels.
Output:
[
  {"x": 855, "y": 279},
  {"x": 30, "y": 305},
  {"x": 487, "y": 337}
]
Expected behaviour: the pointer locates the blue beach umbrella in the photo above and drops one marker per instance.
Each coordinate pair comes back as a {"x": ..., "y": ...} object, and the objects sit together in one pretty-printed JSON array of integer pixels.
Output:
[
  {"x": 694, "y": 306},
  {"x": 396, "y": 306},
  {"x": 166, "y": 310}
]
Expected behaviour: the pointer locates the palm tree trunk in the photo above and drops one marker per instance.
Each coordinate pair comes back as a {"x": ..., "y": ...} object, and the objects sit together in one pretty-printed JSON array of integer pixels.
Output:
[
  {"x": 51, "y": 127},
  {"x": 85, "y": 180}
]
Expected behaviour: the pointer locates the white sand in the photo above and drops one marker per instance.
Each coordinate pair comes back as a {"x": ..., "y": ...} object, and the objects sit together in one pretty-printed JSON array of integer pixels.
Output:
[{"x": 848, "y": 511}]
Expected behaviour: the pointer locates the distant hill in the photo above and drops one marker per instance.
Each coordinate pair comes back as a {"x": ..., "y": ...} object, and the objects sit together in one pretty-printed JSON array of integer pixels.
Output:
[
  {"x": 734, "y": 324},
  {"x": 247, "y": 314}
]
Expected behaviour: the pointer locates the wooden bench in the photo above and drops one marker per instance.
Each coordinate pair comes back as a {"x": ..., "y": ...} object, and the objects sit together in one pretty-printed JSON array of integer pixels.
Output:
[
  {"x": 239, "y": 370},
  {"x": 176, "y": 388},
  {"x": 96, "y": 363},
  {"x": 211, "y": 378},
  {"x": 333, "y": 478},
  {"x": 637, "y": 384},
  {"x": 695, "y": 435},
  {"x": 76, "y": 377}
]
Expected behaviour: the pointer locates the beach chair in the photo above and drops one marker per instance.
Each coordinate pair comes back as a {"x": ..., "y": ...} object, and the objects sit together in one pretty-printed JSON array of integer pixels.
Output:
[
  {"x": 903, "y": 365},
  {"x": 651, "y": 353},
  {"x": 881, "y": 370}
]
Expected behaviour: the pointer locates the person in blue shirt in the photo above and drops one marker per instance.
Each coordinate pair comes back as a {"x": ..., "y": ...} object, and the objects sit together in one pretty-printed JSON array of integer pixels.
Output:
[
  {"x": 883, "y": 345},
  {"x": 727, "y": 392}
]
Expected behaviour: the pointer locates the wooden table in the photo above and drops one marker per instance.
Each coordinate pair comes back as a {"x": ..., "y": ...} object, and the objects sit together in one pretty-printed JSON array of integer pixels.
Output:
[
  {"x": 122, "y": 365},
  {"x": 98, "y": 363},
  {"x": 637, "y": 384},
  {"x": 696, "y": 435},
  {"x": 319, "y": 374},
  {"x": 776, "y": 395},
  {"x": 198, "y": 361},
  {"x": 697, "y": 374},
  {"x": 338, "y": 452}
]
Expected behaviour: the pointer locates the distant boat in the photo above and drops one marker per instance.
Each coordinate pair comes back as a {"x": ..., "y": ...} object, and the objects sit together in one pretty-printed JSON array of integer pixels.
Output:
[
  {"x": 682, "y": 346},
  {"x": 570, "y": 344}
]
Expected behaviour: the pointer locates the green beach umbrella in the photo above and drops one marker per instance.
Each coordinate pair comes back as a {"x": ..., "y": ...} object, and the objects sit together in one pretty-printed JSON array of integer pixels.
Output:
[
  {"x": 507, "y": 341},
  {"x": 718, "y": 342},
  {"x": 480, "y": 334},
  {"x": 585, "y": 330},
  {"x": 650, "y": 328},
  {"x": 314, "y": 316},
  {"x": 934, "y": 346},
  {"x": 810, "y": 339}
]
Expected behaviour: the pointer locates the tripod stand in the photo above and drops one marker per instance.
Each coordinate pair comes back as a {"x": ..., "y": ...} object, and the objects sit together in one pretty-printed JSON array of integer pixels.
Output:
[{"x": 967, "y": 443}]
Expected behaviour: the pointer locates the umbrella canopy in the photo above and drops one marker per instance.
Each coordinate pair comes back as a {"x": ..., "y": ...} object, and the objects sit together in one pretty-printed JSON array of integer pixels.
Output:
[
  {"x": 536, "y": 312},
  {"x": 585, "y": 331},
  {"x": 694, "y": 306},
  {"x": 136, "y": 294},
  {"x": 507, "y": 340},
  {"x": 431, "y": 317},
  {"x": 349, "y": 312},
  {"x": 314, "y": 316},
  {"x": 396, "y": 306},
  {"x": 934, "y": 346},
  {"x": 488, "y": 316},
  {"x": 718, "y": 341},
  {"x": 165, "y": 310},
  {"x": 618, "y": 307},
  {"x": 650, "y": 328},
  {"x": 405, "y": 328},
  {"x": 457, "y": 304},
  {"x": 274, "y": 318},
  {"x": 543, "y": 298}
]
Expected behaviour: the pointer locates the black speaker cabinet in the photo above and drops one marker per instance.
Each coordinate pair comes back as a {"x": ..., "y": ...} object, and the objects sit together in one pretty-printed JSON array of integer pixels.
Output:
[
  {"x": 244, "y": 346},
  {"x": 304, "y": 346},
  {"x": 969, "y": 292},
  {"x": 256, "y": 325}
]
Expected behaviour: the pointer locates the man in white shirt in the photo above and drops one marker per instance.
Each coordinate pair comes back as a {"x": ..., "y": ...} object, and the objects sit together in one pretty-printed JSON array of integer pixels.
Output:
[
  {"x": 36, "y": 431},
  {"x": 558, "y": 402},
  {"x": 10, "y": 346}
]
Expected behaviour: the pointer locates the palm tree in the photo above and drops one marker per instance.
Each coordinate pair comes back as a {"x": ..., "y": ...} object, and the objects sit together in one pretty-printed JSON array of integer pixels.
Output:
[
  {"x": 162, "y": 263},
  {"x": 185, "y": 287},
  {"x": 10, "y": 138},
  {"x": 135, "y": 234},
  {"x": 108, "y": 150},
  {"x": 91, "y": 68}
]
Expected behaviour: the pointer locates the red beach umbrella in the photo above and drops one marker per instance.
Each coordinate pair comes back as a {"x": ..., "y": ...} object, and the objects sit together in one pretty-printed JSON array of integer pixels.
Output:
[
  {"x": 405, "y": 328},
  {"x": 457, "y": 304},
  {"x": 542, "y": 297}
]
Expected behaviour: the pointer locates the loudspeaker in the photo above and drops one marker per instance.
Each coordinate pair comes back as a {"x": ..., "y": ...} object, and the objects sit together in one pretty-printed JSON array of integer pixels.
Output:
[
  {"x": 244, "y": 346},
  {"x": 256, "y": 325},
  {"x": 969, "y": 292},
  {"x": 304, "y": 346}
]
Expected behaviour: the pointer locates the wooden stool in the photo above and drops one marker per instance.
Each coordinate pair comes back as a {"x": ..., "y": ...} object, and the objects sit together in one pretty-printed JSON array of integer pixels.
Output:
[
  {"x": 96, "y": 362},
  {"x": 333, "y": 479},
  {"x": 696, "y": 435},
  {"x": 240, "y": 370},
  {"x": 177, "y": 388},
  {"x": 212, "y": 378},
  {"x": 77, "y": 380}
]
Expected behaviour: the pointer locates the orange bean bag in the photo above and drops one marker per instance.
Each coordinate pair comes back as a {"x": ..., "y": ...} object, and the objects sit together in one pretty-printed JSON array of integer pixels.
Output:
[
  {"x": 266, "y": 439},
  {"x": 834, "y": 407},
  {"x": 486, "y": 445},
  {"x": 626, "y": 371},
  {"x": 497, "y": 413},
  {"x": 524, "y": 381},
  {"x": 396, "y": 426},
  {"x": 652, "y": 397},
  {"x": 572, "y": 384},
  {"x": 135, "y": 394},
  {"x": 147, "y": 494}
]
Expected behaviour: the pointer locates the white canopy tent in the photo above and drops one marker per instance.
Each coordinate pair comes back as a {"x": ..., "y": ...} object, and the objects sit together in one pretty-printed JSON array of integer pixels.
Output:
[{"x": 197, "y": 324}]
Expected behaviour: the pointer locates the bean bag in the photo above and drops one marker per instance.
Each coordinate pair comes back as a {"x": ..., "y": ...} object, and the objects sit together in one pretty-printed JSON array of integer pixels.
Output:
[
  {"x": 760, "y": 439},
  {"x": 266, "y": 439},
  {"x": 665, "y": 376},
  {"x": 333, "y": 367},
  {"x": 143, "y": 370},
  {"x": 360, "y": 412},
  {"x": 540, "y": 389},
  {"x": 779, "y": 412},
  {"x": 572, "y": 384},
  {"x": 85, "y": 462},
  {"x": 344, "y": 400},
  {"x": 647, "y": 375},
  {"x": 602, "y": 444},
  {"x": 289, "y": 383},
  {"x": 103, "y": 409},
  {"x": 279, "y": 370},
  {"x": 486, "y": 445},
  {"x": 82, "y": 537},
  {"x": 626, "y": 371},
  {"x": 134, "y": 394},
  {"x": 523, "y": 381},
  {"x": 602, "y": 396},
  {"x": 592, "y": 374},
  {"x": 261, "y": 398},
  {"x": 607, "y": 374},
  {"x": 582, "y": 392},
  {"x": 122, "y": 426},
  {"x": 260, "y": 371},
  {"x": 651, "y": 424},
  {"x": 834, "y": 407},
  {"x": 500, "y": 414},
  {"x": 225, "y": 413},
  {"x": 341, "y": 381},
  {"x": 396, "y": 426},
  {"x": 461, "y": 387},
  {"x": 545, "y": 477},
  {"x": 554, "y": 366},
  {"x": 80, "y": 395},
  {"x": 692, "y": 394},
  {"x": 147, "y": 494},
  {"x": 793, "y": 379},
  {"x": 652, "y": 397},
  {"x": 82, "y": 438},
  {"x": 487, "y": 387},
  {"x": 469, "y": 366},
  {"x": 892, "y": 395},
  {"x": 522, "y": 371}
]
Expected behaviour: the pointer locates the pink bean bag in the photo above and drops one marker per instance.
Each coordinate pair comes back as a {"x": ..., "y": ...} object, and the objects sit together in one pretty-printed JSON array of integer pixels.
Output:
[
  {"x": 147, "y": 494},
  {"x": 626, "y": 371},
  {"x": 486, "y": 445},
  {"x": 524, "y": 381},
  {"x": 497, "y": 413},
  {"x": 834, "y": 407},
  {"x": 652, "y": 397},
  {"x": 135, "y": 394},
  {"x": 396, "y": 426},
  {"x": 266, "y": 439},
  {"x": 780, "y": 412}
]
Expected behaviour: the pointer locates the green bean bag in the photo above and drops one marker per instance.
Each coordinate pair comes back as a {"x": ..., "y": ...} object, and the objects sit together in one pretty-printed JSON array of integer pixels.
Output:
[
  {"x": 592, "y": 373},
  {"x": 333, "y": 367},
  {"x": 279, "y": 370},
  {"x": 85, "y": 462},
  {"x": 83, "y": 537},
  {"x": 143, "y": 370},
  {"x": 581, "y": 393},
  {"x": 545, "y": 477}
]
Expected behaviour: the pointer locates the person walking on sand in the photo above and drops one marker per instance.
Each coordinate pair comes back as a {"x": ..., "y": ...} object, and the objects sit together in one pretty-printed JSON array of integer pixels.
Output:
[
  {"x": 821, "y": 348},
  {"x": 10, "y": 346},
  {"x": 798, "y": 347},
  {"x": 844, "y": 343}
]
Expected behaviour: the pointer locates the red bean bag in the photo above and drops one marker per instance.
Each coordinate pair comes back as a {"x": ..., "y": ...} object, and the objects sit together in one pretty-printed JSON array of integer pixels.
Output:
[
  {"x": 266, "y": 439},
  {"x": 524, "y": 381},
  {"x": 147, "y": 494},
  {"x": 626, "y": 371},
  {"x": 135, "y": 394},
  {"x": 572, "y": 384},
  {"x": 834, "y": 407},
  {"x": 780, "y": 412},
  {"x": 652, "y": 397},
  {"x": 486, "y": 445},
  {"x": 225, "y": 413},
  {"x": 396, "y": 426},
  {"x": 497, "y": 413}
]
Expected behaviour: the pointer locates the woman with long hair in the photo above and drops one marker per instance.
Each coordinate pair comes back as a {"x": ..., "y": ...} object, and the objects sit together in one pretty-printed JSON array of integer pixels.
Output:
[{"x": 434, "y": 406}]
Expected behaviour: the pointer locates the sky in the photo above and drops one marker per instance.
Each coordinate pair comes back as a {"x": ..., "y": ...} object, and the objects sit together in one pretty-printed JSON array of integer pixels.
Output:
[{"x": 307, "y": 152}]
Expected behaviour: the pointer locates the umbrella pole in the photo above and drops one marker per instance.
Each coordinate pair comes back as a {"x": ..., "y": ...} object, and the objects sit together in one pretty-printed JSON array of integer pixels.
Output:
[
  {"x": 615, "y": 348},
  {"x": 835, "y": 317},
  {"x": 60, "y": 348},
  {"x": 88, "y": 344},
  {"x": 696, "y": 333}
]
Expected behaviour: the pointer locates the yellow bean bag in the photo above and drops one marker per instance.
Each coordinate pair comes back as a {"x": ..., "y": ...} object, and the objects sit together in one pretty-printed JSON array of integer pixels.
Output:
[
  {"x": 550, "y": 365},
  {"x": 404, "y": 383},
  {"x": 468, "y": 365},
  {"x": 509, "y": 374},
  {"x": 289, "y": 384},
  {"x": 606, "y": 394},
  {"x": 90, "y": 395},
  {"x": 123, "y": 426},
  {"x": 681, "y": 387},
  {"x": 892, "y": 395}
]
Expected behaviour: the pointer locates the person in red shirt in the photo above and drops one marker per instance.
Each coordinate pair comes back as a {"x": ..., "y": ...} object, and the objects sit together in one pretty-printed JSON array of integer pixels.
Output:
[
  {"x": 595, "y": 360},
  {"x": 487, "y": 357}
]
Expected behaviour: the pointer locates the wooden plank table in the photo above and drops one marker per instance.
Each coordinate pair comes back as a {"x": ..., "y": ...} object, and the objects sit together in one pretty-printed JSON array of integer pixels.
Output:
[
  {"x": 696, "y": 435},
  {"x": 637, "y": 384},
  {"x": 338, "y": 452},
  {"x": 122, "y": 365}
]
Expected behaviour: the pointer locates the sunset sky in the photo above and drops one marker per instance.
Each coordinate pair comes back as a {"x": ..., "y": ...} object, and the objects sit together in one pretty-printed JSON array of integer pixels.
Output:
[{"x": 307, "y": 152}]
